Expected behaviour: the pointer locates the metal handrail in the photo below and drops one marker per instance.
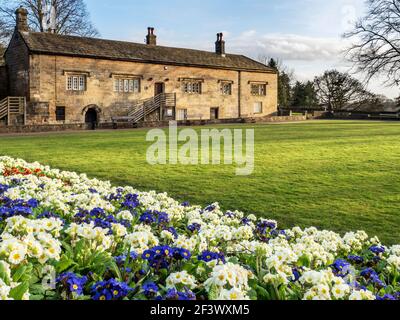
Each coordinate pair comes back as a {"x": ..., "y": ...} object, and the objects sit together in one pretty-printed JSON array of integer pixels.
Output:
[{"x": 145, "y": 107}]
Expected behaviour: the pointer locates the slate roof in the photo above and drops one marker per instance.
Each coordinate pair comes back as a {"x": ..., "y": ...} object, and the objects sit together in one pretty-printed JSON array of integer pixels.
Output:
[{"x": 48, "y": 43}]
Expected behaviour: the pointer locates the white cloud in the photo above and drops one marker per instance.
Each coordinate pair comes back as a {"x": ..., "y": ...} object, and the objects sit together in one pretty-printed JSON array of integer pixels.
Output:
[{"x": 288, "y": 46}]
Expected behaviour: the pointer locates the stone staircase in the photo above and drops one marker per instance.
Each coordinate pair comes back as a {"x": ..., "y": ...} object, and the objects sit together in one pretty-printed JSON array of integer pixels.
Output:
[
  {"x": 11, "y": 108},
  {"x": 142, "y": 108}
]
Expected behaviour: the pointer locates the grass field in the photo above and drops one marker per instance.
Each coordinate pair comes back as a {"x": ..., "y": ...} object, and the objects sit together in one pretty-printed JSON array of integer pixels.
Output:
[{"x": 338, "y": 175}]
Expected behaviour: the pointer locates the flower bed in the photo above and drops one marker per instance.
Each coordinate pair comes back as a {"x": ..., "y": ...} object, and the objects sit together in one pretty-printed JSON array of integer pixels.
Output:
[{"x": 65, "y": 236}]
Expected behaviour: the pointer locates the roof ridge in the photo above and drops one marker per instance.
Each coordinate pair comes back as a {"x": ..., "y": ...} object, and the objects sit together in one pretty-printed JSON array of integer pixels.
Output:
[
  {"x": 136, "y": 43},
  {"x": 133, "y": 51}
]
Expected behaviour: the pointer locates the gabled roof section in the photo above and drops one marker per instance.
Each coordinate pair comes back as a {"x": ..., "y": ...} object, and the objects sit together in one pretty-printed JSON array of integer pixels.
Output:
[{"x": 53, "y": 44}]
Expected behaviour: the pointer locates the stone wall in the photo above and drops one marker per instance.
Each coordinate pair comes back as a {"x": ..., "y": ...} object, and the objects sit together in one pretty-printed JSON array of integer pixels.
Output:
[
  {"x": 158, "y": 124},
  {"x": 42, "y": 128},
  {"x": 48, "y": 77},
  {"x": 148, "y": 124},
  {"x": 3, "y": 82},
  {"x": 17, "y": 61}
]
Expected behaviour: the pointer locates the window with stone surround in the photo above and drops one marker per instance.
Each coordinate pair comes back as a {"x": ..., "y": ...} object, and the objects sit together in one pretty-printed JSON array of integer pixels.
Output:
[
  {"x": 76, "y": 82},
  {"x": 181, "y": 114},
  {"x": 226, "y": 88},
  {"x": 258, "y": 89},
  {"x": 192, "y": 86},
  {"x": 60, "y": 113},
  {"x": 131, "y": 85},
  {"x": 258, "y": 107}
]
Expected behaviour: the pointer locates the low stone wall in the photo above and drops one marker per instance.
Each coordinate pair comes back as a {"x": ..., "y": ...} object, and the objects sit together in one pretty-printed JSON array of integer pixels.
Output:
[
  {"x": 281, "y": 119},
  {"x": 221, "y": 121},
  {"x": 150, "y": 124},
  {"x": 42, "y": 128}
]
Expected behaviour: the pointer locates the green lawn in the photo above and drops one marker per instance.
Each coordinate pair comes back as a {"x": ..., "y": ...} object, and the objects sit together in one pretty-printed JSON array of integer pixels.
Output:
[{"x": 339, "y": 175}]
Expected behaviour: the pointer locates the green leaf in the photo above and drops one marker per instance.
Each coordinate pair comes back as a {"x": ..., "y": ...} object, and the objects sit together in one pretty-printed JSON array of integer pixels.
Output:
[
  {"x": 213, "y": 293},
  {"x": 262, "y": 293},
  {"x": 36, "y": 297},
  {"x": 19, "y": 273},
  {"x": 64, "y": 263},
  {"x": 304, "y": 261},
  {"x": 37, "y": 289},
  {"x": 234, "y": 260},
  {"x": 3, "y": 274},
  {"x": 116, "y": 270},
  {"x": 18, "y": 292}
]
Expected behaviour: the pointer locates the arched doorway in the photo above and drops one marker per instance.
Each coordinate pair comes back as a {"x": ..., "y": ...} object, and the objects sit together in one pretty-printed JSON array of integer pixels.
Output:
[
  {"x": 91, "y": 118},
  {"x": 91, "y": 114}
]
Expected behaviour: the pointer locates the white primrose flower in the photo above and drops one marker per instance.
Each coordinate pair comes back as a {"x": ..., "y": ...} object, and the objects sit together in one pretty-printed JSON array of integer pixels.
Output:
[{"x": 183, "y": 279}]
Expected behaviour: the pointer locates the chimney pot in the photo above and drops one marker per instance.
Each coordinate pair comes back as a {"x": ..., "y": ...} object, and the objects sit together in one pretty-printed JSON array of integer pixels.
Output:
[
  {"x": 151, "y": 38},
  {"x": 22, "y": 19},
  {"x": 220, "y": 45}
]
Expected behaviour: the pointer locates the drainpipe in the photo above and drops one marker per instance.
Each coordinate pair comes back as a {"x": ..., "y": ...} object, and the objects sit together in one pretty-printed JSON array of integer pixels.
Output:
[{"x": 239, "y": 93}]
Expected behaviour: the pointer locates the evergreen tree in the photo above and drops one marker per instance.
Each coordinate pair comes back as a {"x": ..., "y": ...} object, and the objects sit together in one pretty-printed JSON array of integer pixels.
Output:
[
  {"x": 304, "y": 95},
  {"x": 284, "y": 83}
]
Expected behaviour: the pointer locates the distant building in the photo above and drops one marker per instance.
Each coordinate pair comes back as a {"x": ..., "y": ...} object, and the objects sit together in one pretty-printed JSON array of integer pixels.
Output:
[{"x": 72, "y": 80}]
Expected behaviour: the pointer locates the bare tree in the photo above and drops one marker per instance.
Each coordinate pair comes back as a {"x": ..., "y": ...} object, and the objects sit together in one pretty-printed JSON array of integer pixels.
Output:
[
  {"x": 72, "y": 17},
  {"x": 339, "y": 91},
  {"x": 376, "y": 50}
]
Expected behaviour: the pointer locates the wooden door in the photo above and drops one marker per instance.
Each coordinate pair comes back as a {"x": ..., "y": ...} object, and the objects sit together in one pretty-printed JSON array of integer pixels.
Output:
[
  {"x": 159, "y": 88},
  {"x": 214, "y": 114}
]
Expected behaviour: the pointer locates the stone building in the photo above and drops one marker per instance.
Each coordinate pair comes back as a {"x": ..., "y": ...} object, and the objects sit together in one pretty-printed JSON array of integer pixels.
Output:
[{"x": 75, "y": 80}]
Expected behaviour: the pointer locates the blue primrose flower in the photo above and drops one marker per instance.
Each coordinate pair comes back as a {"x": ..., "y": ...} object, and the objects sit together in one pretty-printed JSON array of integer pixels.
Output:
[
  {"x": 373, "y": 277},
  {"x": 296, "y": 274},
  {"x": 386, "y": 297},
  {"x": 230, "y": 214},
  {"x": 162, "y": 256},
  {"x": 73, "y": 282},
  {"x": 4, "y": 188},
  {"x": 182, "y": 254},
  {"x": 120, "y": 260},
  {"x": 11, "y": 210},
  {"x": 377, "y": 282},
  {"x": 150, "y": 289},
  {"x": 97, "y": 212},
  {"x": 264, "y": 229},
  {"x": 147, "y": 218},
  {"x": 32, "y": 203},
  {"x": 173, "y": 294},
  {"x": 194, "y": 227},
  {"x": 133, "y": 255},
  {"x": 131, "y": 201},
  {"x": 341, "y": 267},
  {"x": 368, "y": 273},
  {"x": 276, "y": 233},
  {"x": 162, "y": 218},
  {"x": 48, "y": 215},
  {"x": 173, "y": 231},
  {"x": 356, "y": 259},
  {"x": 208, "y": 256},
  {"x": 110, "y": 290},
  {"x": 377, "y": 249},
  {"x": 210, "y": 208}
]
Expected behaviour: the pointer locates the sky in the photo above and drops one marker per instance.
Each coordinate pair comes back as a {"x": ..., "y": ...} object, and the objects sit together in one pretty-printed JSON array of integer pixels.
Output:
[{"x": 306, "y": 35}]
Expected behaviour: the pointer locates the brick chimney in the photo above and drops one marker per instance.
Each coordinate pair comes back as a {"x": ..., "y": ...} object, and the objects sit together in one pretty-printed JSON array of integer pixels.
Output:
[
  {"x": 151, "y": 38},
  {"x": 220, "y": 45},
  {"x": 22, "y": 19}
]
